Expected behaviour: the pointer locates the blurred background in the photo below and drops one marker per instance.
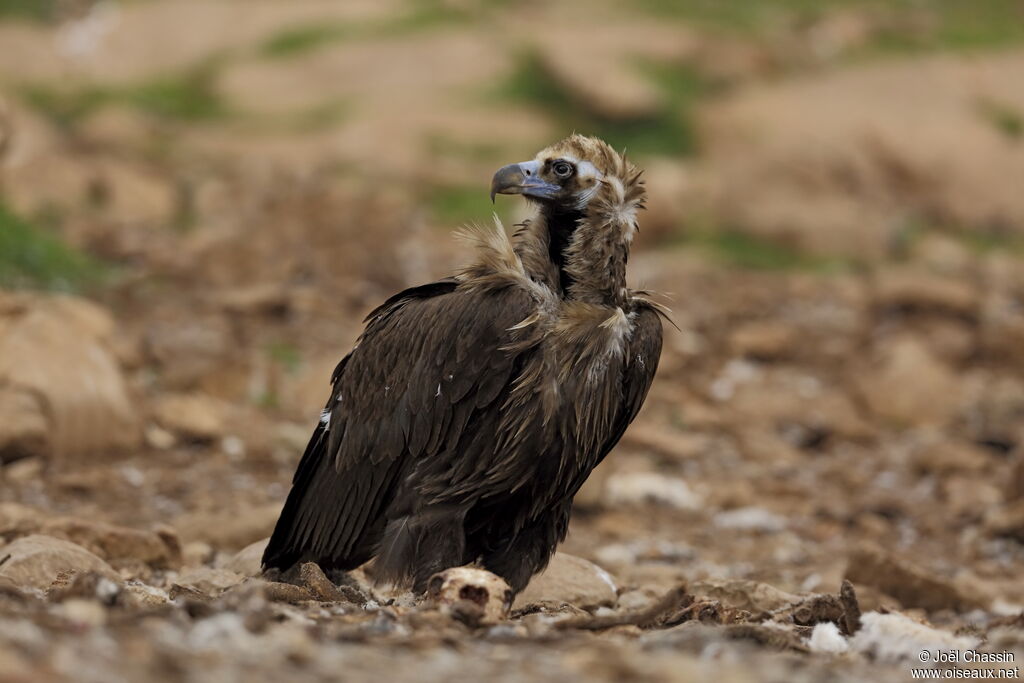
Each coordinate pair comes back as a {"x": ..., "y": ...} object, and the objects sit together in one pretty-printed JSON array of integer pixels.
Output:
[{"x": 201, "y": 199}]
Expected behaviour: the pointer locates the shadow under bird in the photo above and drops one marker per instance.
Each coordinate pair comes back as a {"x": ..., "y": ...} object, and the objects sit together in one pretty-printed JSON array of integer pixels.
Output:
[{"x": 472, "y": 409}]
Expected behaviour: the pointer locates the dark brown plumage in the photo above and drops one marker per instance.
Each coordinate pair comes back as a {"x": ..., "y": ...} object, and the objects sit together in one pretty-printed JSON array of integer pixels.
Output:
[{"x": 472, "y": 409}]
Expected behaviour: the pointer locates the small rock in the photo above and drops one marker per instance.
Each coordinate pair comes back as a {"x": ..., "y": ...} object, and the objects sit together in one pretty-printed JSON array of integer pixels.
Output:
[
  {"x": 209, "y": 580},
  {"x": 914, "y": 289},
  {"x": 140, "y": 595},
  {"x": 18, "y": 520},
  {"x": 966, "y": 495},
  {"x": 264, "y": 298},
  {"x": 323, "y": 589},
  {"x": 665, "y": 441},
  {"x": 116, "y": 543},
  {"x": 1001, "y": 332},
  {"x": 23, "y": 425},
  {"x": 249, "y": 560},
  {"x": 285, "y": 592},
  {"x": 84, "y": 612},
  {"x": 187, "y": 346},
  {"x": 1007, "y": 521},
  {"x": 751, "y": 519},
  {"x": 946, "y": 456},
  {"x": 58, "y": 349},
  {"x": 911, "y": 585},
  {"x": 763, "y": 340},
  {"x": 83, "y": 585},
  {"x": 23, "y": 471},
  {"x": 37, "y": 560},
  {"x": 637, "y": 599},
  {"x": 569, "y": 579},
  {"x": 229, "y": 529},
  {"x": 910, "y": 386},
  {"x": 197, "y": 553},
  {"x": 744, "y": 594},
  {"x": 472, "y": 595},
  {"x": 159, "y": 438},
  {"x": 197, "y": 417},
  {"x": 638, "y": 488}
]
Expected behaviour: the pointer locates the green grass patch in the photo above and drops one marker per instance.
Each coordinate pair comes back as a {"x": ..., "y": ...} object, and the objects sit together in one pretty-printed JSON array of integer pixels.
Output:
[
  {"x": 670, "y": 131},
  {"x": 979, "y": 24},
  {"x": 748, "y": 252},
  {"x": 738, "y": 15},
  {"x": 32, "y": 257},
  {"x": 286, "y": 355},
  {"x": 302, "y": 39},
  {"x": 988, "y": 241},
  {"x": 1005, "y": 118},
  {"x": 189, "y": 96},
  {"x": 38, "y": 10},
  {"x": 956, "y": 24},
  {"x": 462, "y": 204}
]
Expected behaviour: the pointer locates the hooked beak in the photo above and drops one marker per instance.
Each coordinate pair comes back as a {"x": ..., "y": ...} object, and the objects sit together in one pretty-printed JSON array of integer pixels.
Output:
[{"x": 523, "y": 179}]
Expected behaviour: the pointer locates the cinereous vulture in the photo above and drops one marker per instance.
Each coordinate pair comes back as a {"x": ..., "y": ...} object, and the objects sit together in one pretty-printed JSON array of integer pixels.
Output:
[{"x": 472, "y": 409}]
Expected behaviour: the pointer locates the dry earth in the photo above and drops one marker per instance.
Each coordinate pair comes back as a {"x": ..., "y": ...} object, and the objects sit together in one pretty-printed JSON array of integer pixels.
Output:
[{"x": 827, "y": 477}]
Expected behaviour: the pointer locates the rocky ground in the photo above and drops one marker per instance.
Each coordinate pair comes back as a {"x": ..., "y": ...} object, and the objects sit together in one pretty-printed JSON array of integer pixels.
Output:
[{"x": 827, "y": 477}]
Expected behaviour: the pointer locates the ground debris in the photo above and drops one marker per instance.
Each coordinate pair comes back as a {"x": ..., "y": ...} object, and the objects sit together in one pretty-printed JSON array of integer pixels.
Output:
[
  {"x": 322, "y": 588},
  {"x": 911, "y": 585},
  {"x": 851, "y": 608},
  {"x": 767, "y": 635},
  {"x": 667, "y": 611},
  {"x": 846, "y": 364},
  {"x": 276, "y": 591}
]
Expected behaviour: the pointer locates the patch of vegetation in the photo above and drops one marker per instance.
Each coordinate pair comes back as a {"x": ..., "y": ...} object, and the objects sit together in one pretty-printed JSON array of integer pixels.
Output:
[
  {"x": 32, "y": 257},
  {"x": 988, "y": 241},
  {"x": 741, "y": 250},
  {"x": 957, "y": 24},
  {"x": 670, "y": 131},
  {"x": 1005, "y": 118},
  {"x": 302, "y": 39},
  {"x": 461, "y": 204},
  {"x": 188, "y": 96},
  {"x": 286, "y": 355},
  {"x": 989, "y": 23},
  {"x": 737, "y": 16},
  {"x": 39, "y": 10}
]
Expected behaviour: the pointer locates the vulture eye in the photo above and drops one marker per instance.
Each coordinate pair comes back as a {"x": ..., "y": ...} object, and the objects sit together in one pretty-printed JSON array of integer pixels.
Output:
[{"x": 562, "y": 169}]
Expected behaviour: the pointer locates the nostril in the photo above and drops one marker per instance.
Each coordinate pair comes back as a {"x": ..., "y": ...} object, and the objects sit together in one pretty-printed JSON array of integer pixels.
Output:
[{"x": 477, "y": 594}]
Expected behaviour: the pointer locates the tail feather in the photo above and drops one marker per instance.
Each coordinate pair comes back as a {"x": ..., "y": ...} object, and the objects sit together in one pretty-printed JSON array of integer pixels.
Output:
[{"x": 416, "y": 546}]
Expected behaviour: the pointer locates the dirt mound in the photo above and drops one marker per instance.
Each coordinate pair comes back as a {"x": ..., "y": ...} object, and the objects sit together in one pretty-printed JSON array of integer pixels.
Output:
[
  {"x": 57, "y": 369},
  {"x": 844, "y": 162}
]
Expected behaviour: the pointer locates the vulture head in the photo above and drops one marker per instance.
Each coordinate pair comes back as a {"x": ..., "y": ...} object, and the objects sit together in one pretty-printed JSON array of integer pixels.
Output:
[
  {"x": 588, "y": 196},
  {"x": 566, "y": 176}
]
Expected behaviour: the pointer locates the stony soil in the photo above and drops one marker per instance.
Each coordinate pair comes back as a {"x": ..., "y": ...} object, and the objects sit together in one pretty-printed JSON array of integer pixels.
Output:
[{"x": 828, "y": 476}]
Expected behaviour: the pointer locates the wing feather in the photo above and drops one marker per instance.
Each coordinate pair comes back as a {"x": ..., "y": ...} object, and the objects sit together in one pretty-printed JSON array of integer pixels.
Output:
[{"x": 431, "y": 360}]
